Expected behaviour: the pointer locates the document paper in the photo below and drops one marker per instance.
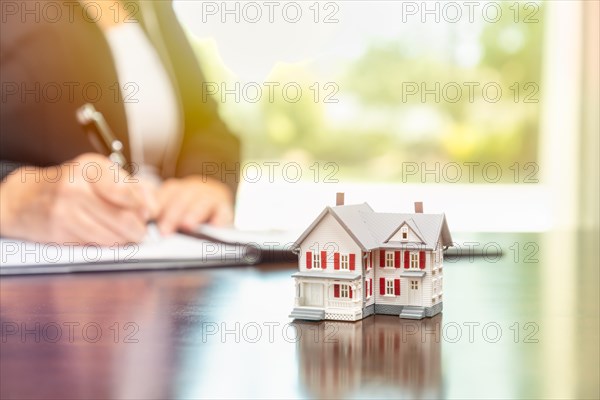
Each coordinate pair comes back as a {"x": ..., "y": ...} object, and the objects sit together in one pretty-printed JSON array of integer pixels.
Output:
[{"x": 174, "y": 251}]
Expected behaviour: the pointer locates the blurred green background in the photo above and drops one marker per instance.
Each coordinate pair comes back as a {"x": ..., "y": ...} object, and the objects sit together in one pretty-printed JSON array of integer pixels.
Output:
[{"x": 357, "y": 109}]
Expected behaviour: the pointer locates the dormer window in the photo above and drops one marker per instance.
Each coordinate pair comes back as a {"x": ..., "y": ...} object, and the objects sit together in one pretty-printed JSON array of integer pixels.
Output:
[{"x": 404, "y": 233}]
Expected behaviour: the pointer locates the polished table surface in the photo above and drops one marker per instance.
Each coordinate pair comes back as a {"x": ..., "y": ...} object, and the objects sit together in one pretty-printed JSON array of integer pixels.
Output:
[{"x": 521, "y": 326}]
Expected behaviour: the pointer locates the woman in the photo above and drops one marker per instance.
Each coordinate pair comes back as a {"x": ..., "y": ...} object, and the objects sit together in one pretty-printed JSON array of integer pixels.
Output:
[{"x": 132, "y": 61}]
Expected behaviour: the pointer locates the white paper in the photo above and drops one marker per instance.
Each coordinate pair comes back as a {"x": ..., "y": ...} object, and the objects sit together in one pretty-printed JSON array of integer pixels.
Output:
[{"x": 173, "y": 248}]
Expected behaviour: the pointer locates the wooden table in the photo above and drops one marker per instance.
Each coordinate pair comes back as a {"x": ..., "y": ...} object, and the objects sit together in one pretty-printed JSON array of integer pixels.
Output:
[{"x": 524, "y": 325}]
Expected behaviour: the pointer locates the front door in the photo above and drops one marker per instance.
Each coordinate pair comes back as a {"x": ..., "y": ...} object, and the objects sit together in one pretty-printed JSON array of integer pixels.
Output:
[
  {"x": 313, "y": 294},
  {"x": 414, "y": 292}
]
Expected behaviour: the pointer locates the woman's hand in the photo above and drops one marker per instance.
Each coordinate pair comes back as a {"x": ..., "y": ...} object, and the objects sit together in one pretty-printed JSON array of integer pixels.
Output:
[
  {"x": 185, "y": 203},
  {"x": 86, "y": 200}
]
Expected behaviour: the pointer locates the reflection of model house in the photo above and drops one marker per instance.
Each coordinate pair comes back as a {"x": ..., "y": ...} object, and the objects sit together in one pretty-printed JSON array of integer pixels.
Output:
[
  {"x": 354, "y": 262},
  {"x": 377, "y": 357}
]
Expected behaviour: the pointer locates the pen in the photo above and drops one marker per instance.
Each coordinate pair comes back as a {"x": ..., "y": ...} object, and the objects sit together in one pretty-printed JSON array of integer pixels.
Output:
[{"x": 94, "y": 123}]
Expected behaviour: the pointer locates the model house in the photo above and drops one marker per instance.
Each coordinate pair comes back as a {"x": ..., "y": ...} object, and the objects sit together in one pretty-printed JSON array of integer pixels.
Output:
[{"x": 354, "y": 262}]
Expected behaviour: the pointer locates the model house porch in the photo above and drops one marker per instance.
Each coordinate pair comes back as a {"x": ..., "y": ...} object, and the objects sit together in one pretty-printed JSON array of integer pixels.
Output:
[{"x": 335, "y": 297}]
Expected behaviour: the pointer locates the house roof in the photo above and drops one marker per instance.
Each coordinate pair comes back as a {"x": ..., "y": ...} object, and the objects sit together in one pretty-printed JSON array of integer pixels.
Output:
[
  {"x": 372, "y": 230},
  {"x": 410, "y": 223}
]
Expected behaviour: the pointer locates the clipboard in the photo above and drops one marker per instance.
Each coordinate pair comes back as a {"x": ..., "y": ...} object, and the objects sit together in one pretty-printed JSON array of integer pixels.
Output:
[{"x": 173, "y": 252}]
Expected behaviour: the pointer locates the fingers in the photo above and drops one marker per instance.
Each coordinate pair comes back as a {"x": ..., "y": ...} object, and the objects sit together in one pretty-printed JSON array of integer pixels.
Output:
[
  {"x": 90, "y": 203},
  {"x": 113, "y": 184},
  {"x": 151, "y": 196},
  {"x": 197, "y": 212},
  {"x": 175, "y": 203},
  {"x": 93, "y": 203},
  {"x": 125, "y": 195},
  {"x": 109, "y": 206},
  {"x": 223, "y": 215},
  {"x": 185, "y": 203},
  {"x": 84, "y": 229},
  {"x": 88, "y": 219},
  {"x": 125, "y": 226}
]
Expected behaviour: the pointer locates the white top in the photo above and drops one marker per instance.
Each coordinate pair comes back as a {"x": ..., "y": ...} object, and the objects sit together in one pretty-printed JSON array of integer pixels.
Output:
[{"x": 148, "y": 95}]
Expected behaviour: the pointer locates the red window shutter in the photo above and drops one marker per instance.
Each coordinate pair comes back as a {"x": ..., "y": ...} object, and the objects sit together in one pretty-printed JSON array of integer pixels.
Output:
[
  {"x": 382, "y": 286},
  {"x": 382, "y": 258},
  {"x": 397, "y": 287},
  {"x": 308, "y": 259},
  {"x": 336, "y": 290},
  {"x": 397, "y": 259},
  {"x": 372, "y": 258},
  {"x": 371, "y": 286},
  {"x": 349, "y": 291},
  {"x": 422, "y": 259},
  {"x": 336, "y": 260},
  {"x": 406, "y": 259},
  {"x": 324, "y": 259},
  {"x": 352, "y": 262}
]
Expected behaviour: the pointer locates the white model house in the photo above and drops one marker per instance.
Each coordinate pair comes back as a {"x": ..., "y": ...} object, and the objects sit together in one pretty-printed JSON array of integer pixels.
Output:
[{"x": 354, "y": 262}]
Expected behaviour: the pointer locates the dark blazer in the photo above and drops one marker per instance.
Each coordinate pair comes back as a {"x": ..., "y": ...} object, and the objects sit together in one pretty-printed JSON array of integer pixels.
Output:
[{"x": 50, "y": 68}]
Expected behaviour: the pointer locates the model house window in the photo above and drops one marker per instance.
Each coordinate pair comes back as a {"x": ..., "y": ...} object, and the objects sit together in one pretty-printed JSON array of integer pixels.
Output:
[
  {"x": 367, "y": 284},
  {"x": 414, "y": 260},
  {"x": 344, "y": 263},
  {"x": 389, "y": 259},
  {"x": 316, "y": 260},
  {"x": 404, "y": 233},
  {"x": 342, "y": 291},
  {"x": 389, "y": 286},
  {"x": 414, "y": 285},
  {"x": 345, "y": 291}
]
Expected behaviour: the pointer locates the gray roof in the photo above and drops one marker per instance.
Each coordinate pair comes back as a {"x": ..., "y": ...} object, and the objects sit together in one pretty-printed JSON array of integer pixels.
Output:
[{"x": 372, "y": 230}]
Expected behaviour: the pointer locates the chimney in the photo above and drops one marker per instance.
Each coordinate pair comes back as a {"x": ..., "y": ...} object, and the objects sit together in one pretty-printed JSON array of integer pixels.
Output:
[
  {"x": 339, "y": 199},
  {"x": 419, "y": 207}
]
